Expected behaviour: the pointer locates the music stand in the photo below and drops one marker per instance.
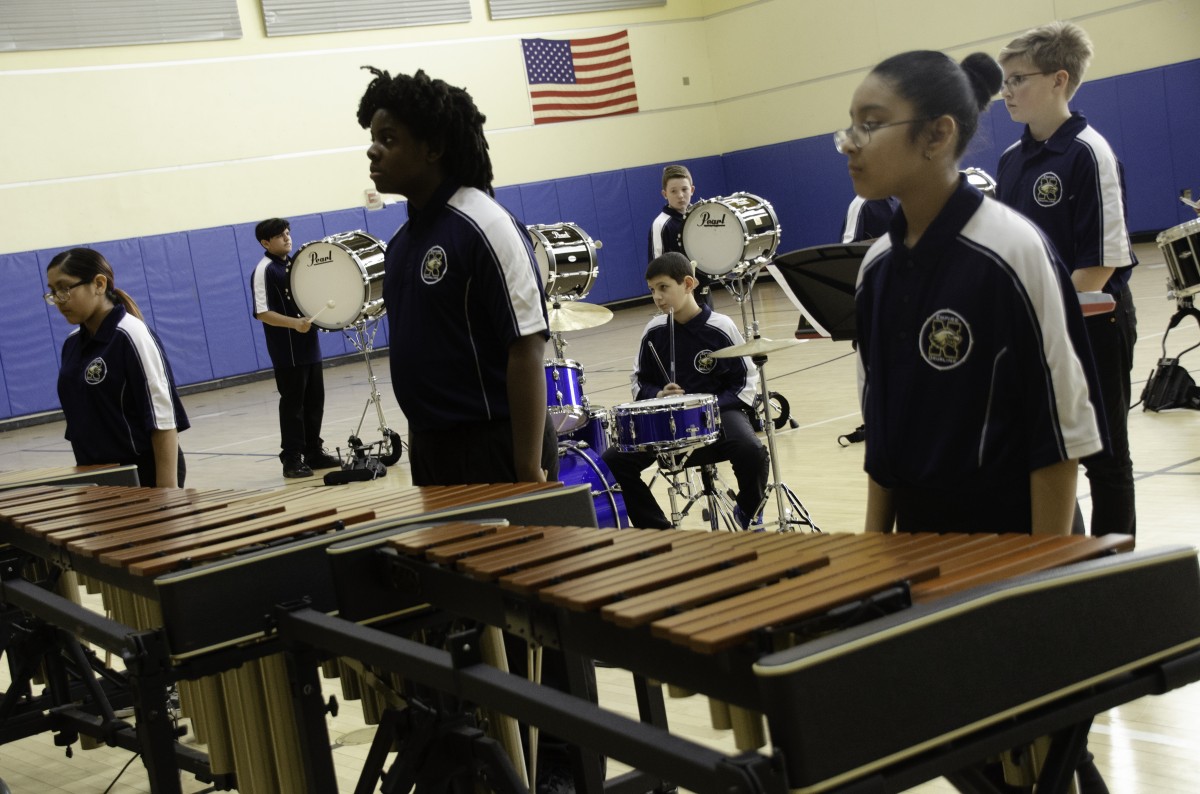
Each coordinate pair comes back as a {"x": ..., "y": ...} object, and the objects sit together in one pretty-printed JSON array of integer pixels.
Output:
[{"x": 820, "y": 282}]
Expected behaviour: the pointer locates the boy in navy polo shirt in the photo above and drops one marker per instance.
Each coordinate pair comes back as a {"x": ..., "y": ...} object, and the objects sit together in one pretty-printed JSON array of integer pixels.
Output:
[
  {"x": 698, "y": 332},
  {"x": 1065, "y": 177},
  {"x": 666, "y": 230},
  {"x": 295, "y": 354}
]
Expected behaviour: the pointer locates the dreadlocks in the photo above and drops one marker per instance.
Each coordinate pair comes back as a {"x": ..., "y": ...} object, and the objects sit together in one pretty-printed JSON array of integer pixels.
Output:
[{"x": 443, "y": 116}]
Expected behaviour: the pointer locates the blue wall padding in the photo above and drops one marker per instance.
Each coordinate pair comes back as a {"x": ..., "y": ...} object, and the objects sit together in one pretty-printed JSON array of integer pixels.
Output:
[
  {"x": 194, "y": 287},
  {"x": 1144, "y": 140},
  {"x": 28, "y": 349},
  {"x": 1182, "y": 87},
  {"x": 171, "y": 281},
  {"x": 223, "y": 285}
]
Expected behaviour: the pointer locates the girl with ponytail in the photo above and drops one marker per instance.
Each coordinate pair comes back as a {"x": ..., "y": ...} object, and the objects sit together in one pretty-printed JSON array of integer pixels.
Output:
[
  {"x": 975, "y": 375},
  {"x": 115, "y": 385}
]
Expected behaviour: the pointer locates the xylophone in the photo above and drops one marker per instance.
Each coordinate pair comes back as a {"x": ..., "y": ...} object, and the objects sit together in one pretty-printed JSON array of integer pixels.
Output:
[
  {"x": 98, "y": 474},
  {"x": 909, "y": 656},
  {"x": 198, "y": 572}
]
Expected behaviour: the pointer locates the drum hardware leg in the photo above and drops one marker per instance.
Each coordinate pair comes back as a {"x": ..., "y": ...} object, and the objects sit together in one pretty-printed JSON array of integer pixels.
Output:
[
  {"x": 791, "y": 511},
  {"x": 393, "y": 446},
  {"x": 720, "y": 500}
]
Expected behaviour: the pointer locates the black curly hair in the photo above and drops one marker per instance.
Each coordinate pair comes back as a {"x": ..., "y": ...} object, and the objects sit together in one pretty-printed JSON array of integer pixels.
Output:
[{"x": 438, "y": 113}]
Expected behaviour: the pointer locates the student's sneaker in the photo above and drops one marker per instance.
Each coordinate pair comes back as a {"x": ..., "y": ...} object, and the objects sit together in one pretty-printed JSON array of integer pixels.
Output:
[
  {"x": 755, "y": 525},
  {"x": 294, "y": 466},
  {"x": 321, "y": 459}
]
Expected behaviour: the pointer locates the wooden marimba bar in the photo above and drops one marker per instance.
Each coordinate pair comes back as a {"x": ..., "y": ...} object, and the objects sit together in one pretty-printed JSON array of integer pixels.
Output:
[
  {"x": 207, "y": 566},
  {"x": 749, "y": 619},
  {"x": 98, "y": 474}
]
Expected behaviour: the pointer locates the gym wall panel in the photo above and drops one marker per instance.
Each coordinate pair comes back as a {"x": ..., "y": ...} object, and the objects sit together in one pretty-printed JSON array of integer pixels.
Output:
[
  {"x": 249, "y": 252},
  {"x": 540, "y": 203},
  {"x": 223, "y": 287},
  {"x": 616, "y": 226},
  {"x": 171, "y": 282},
  {"x": 1182, "y": 106},
  {"x": 1144, "y": 142},
  {"x": 27, "y": 347}
]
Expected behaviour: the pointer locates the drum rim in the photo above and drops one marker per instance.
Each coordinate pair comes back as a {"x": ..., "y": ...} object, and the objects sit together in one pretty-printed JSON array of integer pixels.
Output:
[
  {"x": 700, "y": 399},
  {"x": 568, "y": 363},
  {"x": 1177, "y": 232}
]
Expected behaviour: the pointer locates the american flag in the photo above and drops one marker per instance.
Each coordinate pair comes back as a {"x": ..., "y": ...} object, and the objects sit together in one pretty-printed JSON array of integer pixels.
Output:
[{"x": 579, "y": 78}]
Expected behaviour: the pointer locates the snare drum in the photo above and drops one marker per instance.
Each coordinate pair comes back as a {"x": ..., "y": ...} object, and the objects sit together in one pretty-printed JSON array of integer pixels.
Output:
[
  {"x": 564, "y": 395},
  {"x": 566, "y": 257},
  {"x": 1181, "y": 248},
  {"x": 981, "y": 180},
  {"x": 578, "y": 465},
  {"x": 721, "y": 233},
  {"x": 594, "y": 432},
  {"x": 347, "y": 269},
  {"x": 667, "y": 423}
]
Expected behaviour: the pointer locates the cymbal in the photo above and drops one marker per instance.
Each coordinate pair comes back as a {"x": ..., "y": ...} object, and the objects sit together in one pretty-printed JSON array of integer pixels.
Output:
[
  {"x": 576, "y": 316},
  {"x": 755, "y": 347}
]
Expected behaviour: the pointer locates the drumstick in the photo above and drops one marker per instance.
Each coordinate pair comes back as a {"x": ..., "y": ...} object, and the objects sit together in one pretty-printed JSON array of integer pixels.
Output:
[
  {"x": 666, "y": 375},
  {"x": 329, "y": 304},
  {"x": 671, "y": 339}
]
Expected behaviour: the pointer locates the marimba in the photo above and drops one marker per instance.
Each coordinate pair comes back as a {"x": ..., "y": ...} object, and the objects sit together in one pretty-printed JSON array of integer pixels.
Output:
[
  {"x": 867, "y": 654},
  {"x": 102, "y": 474},
  {"x": 195, "y": 575}
]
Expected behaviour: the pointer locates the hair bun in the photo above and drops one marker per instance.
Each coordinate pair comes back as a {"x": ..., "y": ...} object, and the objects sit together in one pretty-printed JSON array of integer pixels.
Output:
[{"x": 985, "y": 76}]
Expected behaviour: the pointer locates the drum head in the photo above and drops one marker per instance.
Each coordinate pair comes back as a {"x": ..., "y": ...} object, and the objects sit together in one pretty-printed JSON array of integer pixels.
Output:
[{"x": 324, "y": 271}]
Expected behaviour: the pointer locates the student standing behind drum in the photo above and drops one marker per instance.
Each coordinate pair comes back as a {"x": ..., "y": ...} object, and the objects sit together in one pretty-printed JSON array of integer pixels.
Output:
[
  {"x": 115, "y": 385},
  {"x": 698, "y": 332},
  {"x": 666, "y": 231},
  {"x": 1064, "y": 177},
  {"x": 295, "y": 353},
  {"x": 974, "y": 368}
]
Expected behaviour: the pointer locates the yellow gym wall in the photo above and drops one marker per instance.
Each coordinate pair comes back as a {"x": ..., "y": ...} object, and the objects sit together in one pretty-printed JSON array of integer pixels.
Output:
[{"x": 117, "y": 142}]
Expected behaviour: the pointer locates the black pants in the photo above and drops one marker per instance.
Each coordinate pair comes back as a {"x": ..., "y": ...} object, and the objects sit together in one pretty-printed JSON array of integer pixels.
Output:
[
  {"x": 1110, "y": 472},
  {"x": 478, "y": 452},
  {"x": 301, "y": 408},
  {"x": 737, "y": 444}
]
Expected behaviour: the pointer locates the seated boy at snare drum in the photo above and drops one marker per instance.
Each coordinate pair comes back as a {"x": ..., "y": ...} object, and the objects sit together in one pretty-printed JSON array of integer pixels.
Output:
[{"x": 698, "y": 332}]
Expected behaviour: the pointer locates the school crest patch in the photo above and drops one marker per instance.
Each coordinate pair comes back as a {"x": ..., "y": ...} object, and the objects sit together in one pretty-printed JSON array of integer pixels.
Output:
[
  {"x": 434, "y": 265},
  {"x": 95, "y": 372},
  {"x": 945, "y": 340},
  {"x": 1048, "y": 189},
  {"x": 704, "y": 362}
]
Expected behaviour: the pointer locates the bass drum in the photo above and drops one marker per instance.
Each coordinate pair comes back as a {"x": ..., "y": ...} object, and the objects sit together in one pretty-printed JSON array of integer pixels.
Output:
[
  {"x": 579, "y": 465},
  {"x": 721, "y": 233},
  {"x": 566, "y": 258},
  {"x": 338, "y": 280}
]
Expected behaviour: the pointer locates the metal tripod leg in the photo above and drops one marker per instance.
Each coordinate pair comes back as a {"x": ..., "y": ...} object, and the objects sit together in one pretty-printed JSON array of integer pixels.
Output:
[{"x": 792, "y": 512}]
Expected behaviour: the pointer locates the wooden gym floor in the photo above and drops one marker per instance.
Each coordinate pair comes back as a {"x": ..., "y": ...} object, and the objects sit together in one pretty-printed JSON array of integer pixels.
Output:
[{"x": 1151, "y": 745}]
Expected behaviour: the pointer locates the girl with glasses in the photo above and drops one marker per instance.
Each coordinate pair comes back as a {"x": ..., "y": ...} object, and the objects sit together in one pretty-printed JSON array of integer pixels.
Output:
[
  {"x": 115, "y": 384},
  {"x": 974, "y": 370}
]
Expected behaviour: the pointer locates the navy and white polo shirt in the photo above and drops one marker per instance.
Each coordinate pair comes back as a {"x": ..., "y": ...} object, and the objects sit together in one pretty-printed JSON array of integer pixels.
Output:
[
  {"x": 460, "y": 286},
  {"x": 974, "y": 364},
  {"x": 1073, "y": 187},
  {"x": 115, "y": 388},
  {"x": 732, "y": 380},
  {"x": 868, "y": 219},
  {"x": 270, "y": 286},
  {"x": 666, "y": 233}
]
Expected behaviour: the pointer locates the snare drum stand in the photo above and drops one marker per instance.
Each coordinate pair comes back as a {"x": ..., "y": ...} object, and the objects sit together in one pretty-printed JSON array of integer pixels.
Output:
[
  {"x": 792, "y": 512},
  {"x": 391, "y": 447},
  {"x": 673, "y": 468}
]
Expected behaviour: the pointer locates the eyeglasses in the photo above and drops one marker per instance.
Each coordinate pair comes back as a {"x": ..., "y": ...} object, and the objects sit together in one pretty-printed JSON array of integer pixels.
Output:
[
  {"x": 61, "y": 296},
  {"x": 860, "y": 134},
  {"x": 1014, "y": 81}
]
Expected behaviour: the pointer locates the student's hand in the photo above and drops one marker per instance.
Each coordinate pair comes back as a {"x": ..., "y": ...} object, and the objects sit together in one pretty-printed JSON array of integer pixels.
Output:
[
  {"x": 303, "y": 324},
  {"x": 672, "y": 390}
]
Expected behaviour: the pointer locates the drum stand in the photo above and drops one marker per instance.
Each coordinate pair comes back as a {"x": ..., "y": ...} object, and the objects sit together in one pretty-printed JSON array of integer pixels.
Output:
[
  {"x": 391, "y": 447},
  {"x": 791, "y": 511},
  {"x": 673, "y": 468}
]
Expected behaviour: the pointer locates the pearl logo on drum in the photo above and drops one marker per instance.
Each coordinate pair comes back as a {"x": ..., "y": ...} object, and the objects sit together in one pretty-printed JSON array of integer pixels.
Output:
[
  {"x": 708, "y": 221},
  {"x": 315, "y": 258}
]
